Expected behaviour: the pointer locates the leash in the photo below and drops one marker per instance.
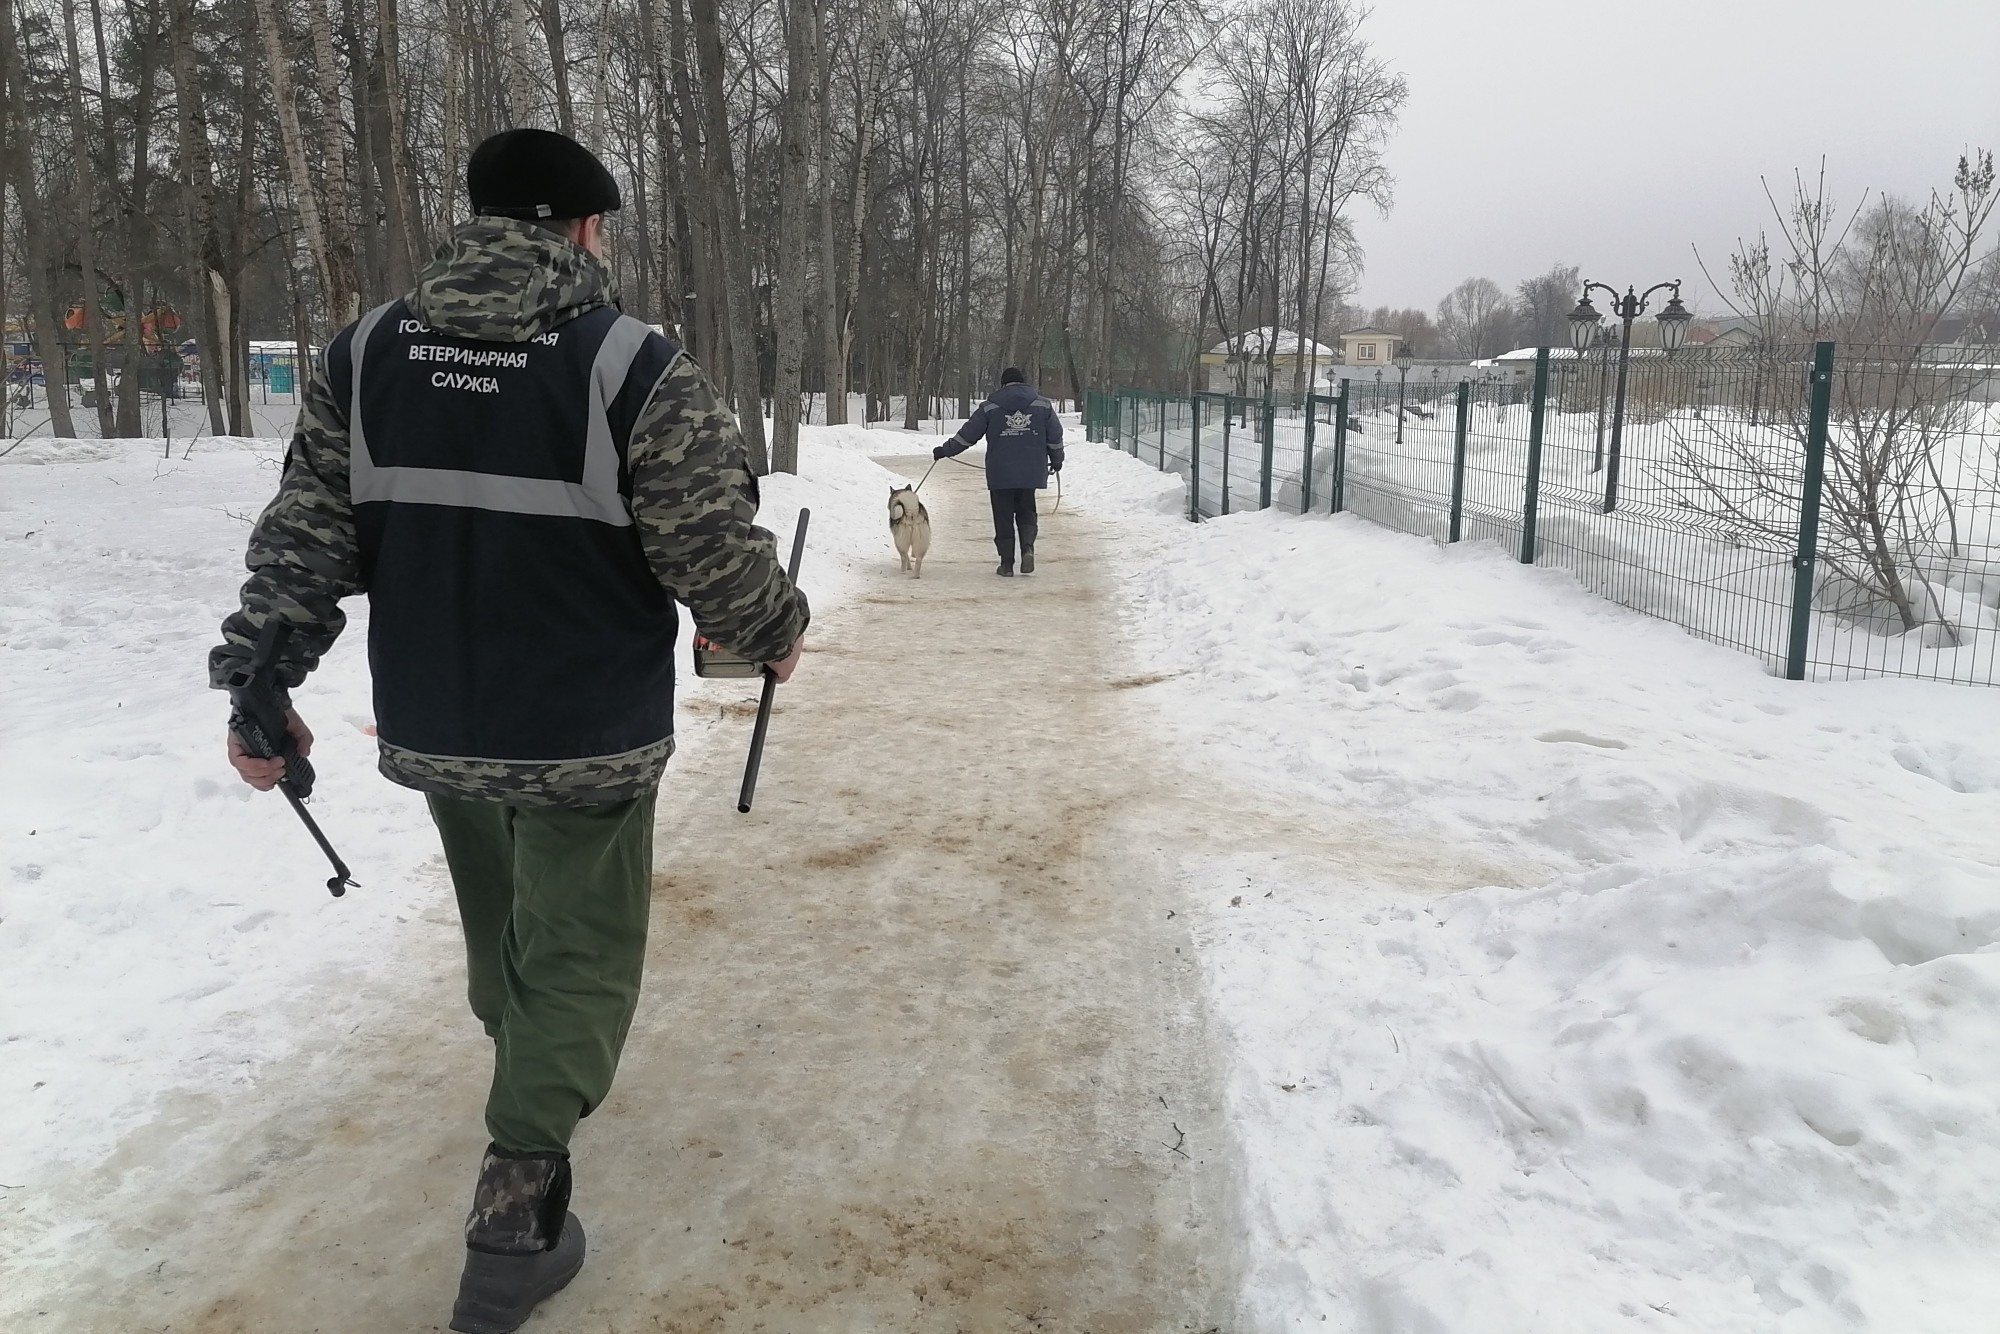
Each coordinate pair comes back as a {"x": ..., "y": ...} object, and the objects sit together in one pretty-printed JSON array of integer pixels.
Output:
[{"x": 963, "y": 464}]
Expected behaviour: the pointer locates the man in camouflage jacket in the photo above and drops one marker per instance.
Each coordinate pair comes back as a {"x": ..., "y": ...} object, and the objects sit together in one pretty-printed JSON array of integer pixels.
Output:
[{"x": 523, "y": 481}]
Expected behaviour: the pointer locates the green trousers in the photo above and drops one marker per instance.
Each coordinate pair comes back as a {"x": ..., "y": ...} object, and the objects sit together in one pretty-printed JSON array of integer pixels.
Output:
[{"x": 553, "y": 901}]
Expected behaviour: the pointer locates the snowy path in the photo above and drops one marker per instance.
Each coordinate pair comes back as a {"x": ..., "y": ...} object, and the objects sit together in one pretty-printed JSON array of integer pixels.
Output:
[{"x": 920, "y": 1042}]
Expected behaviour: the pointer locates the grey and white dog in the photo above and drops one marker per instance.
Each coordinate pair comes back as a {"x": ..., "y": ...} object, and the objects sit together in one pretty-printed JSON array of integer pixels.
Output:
[{"x": 910, "y": 525}]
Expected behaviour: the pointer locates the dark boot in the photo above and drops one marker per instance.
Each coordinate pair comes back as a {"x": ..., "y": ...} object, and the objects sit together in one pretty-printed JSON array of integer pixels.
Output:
[
  {"x": 1005, "y": 571},
  {"x": 1027, "y": 560},
  {"x": 522, "y": 1244}
]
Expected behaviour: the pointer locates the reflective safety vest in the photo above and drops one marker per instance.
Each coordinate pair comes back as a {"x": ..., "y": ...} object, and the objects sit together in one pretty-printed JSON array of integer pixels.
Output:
[{"x": 512, "y": 612}]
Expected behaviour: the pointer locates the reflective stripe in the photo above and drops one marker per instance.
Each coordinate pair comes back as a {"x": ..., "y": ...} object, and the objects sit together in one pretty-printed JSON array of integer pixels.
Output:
[{"x": 596, "y": 497}]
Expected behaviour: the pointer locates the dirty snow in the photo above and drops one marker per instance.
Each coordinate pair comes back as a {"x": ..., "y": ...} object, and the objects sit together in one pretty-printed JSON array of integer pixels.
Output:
[{"x": 114, "y": 988}]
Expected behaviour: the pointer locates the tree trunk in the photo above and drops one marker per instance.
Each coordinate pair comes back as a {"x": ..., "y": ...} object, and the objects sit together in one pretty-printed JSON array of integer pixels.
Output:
[
  {"x": 794, "y": 217},
  {"x": 867, "y": 108},
  {"x": 552, "y": 31},
  {"x": 371, "y": 276},
  {"x": 203, "y": 246},
  {"x": 86, "y": 225},
  {"x": 833, "y": 373},
  {"x": 708, "y": 324},
  {"x": 455, "y": 152},
  {"x": 305, "y": 197},
  {"x": 520, "y": 92},
  {"x": 6, "y": 268},
  {"x": 920, "y": 293},
  {"x": 729, "y": 215},
  {"x": 671, "y": 279},
  {"x": 343, "y": 296},
  {"x": 137, "y": 239},
  {"x": 397, "y": 171},
  {"x": 20, "y": 165},
  {"x": 1027, "y": 336},
  {"x": 965, "y": 359}
]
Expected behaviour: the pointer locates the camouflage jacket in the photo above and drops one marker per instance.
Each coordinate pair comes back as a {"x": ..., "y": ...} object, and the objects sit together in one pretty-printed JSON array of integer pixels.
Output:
[{"x": 692, "y": 497}]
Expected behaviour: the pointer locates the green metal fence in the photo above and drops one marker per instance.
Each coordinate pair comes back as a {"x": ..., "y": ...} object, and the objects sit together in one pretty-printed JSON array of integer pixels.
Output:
[{"x": 1832, "y": 511}]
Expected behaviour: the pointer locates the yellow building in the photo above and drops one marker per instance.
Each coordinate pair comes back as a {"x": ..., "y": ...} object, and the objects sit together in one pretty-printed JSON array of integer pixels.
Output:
[
  {"x": 1239, "y": 364},
  {"x": 1369, "y": 346}
]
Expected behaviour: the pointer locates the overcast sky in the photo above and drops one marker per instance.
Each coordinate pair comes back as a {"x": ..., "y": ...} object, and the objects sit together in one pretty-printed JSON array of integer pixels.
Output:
[{"x": 1617, "y": 134}]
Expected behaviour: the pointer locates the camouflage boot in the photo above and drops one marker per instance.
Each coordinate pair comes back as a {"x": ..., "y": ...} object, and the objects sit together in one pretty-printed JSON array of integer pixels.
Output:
[{"x": 521, "y": 1242}]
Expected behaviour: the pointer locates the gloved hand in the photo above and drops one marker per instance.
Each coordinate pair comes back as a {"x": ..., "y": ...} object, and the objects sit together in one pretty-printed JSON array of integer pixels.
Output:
[
  {"x": 938, "y": 453},
  {"x": 1055, "y": 465}
]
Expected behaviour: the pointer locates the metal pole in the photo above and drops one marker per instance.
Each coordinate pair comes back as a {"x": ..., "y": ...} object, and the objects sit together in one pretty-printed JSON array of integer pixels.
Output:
[
  {"x": 1228, "y": 421},
  {"x": 756, "y": 758},
  {"x": 1270, "y": 433},
  {"x": 1339, "y": 487},
  {"x": 1306, "y": 466},
  {"x": 1603, "y": 351},
  {"x": 1532, "y": 496},
  {"x": 1400, "y": 383},
  {"x": 1458, "y": 459},
  {"x": 1807, "y": 553},
  {"x": 1618, "y": 415},
  {"x": 1194, "y": 459}
]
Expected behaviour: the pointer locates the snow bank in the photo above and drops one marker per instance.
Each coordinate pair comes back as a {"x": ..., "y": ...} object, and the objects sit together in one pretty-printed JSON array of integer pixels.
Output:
[
  {"x": 162, "y": 927},
  {"x": 1603, "y": 981}
]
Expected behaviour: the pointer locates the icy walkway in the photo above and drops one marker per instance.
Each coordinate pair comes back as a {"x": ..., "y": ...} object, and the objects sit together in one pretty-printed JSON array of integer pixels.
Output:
[{"x": 922, "y": 1047}]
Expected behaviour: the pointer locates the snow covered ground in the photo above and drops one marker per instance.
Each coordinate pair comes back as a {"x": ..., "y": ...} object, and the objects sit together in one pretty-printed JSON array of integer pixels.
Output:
[
  {"x": 162, "y": 927},
  {"x": 1675, "y": 547},
  {"x": 1581, "y": 976},
  {"x": 1624, "y": 985}
]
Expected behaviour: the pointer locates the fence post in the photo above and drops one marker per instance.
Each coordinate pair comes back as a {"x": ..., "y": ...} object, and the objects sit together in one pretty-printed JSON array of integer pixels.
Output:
[
  {"x": 1163, "y": 432},
  {"x": 1809, "y": 502},
  {"x": 1531, "y": 500},
  {"x": 1270, "y": 437},
  {"x": 1194, "y": 459},
  {"x": 1339, "y": 485},
  {"x": 1306, "y": 468},
  {"x": 1228, "y": 421},
  {"x": 1458, "y": 460}
]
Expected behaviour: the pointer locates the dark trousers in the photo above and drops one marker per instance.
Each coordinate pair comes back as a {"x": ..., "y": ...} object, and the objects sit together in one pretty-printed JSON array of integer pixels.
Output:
[
  {"x": 1013, "y": 507},
  {"x": 554, "y": 903}
]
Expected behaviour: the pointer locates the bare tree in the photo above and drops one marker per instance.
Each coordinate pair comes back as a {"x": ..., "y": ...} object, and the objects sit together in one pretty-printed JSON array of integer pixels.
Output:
[
  {"x": 1876, "y": 280},
  {"x": 1474, "y": 319},
  {"x": 1542, "y": 305},
  {"x": 18, "y": 144},
  {"x": 794, "y": 215},
  {"x": 746, "y": 379}
]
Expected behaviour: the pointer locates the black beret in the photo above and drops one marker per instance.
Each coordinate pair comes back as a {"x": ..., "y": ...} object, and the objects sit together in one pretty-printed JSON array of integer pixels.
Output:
[{"x": 529, "y": 173}]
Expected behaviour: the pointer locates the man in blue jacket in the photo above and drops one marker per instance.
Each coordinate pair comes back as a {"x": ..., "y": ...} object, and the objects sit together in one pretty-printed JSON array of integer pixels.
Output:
[{"x": 1023, "y": 447}]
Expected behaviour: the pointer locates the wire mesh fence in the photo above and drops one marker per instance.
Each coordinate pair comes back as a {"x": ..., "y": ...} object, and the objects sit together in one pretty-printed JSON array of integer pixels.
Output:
[{"x": 1833, "y": 511}]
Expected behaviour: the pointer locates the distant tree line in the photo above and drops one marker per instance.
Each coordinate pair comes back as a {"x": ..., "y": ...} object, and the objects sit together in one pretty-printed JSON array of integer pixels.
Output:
[{"x": 892, "y": 198}]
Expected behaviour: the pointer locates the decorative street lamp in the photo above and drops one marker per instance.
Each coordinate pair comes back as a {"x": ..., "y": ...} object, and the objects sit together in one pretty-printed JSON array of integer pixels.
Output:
[
  {"x": 1403, "y": 359},
  {"x": 1603, "y": 345},
  {"x": 1583, "y": 324}
]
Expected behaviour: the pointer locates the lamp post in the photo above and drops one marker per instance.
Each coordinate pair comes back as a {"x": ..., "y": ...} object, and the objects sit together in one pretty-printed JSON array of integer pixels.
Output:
[
  {"x": 1402, "y": 360},
  {"x": 1583, "y": 324},
  {"x": 1601, "y": 346}
]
